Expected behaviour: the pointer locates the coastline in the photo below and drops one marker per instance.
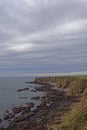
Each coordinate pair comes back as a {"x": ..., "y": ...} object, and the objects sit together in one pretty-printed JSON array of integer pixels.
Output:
[{"x": 56, "y": 102}]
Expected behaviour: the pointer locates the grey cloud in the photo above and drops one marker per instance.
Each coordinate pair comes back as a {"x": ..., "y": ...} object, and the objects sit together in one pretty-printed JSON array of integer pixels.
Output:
[{"x": 55, "y": 30}]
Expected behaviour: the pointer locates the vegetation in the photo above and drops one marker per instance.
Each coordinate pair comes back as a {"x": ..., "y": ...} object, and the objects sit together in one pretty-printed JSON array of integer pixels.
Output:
[{"x": 76, "y": 118}]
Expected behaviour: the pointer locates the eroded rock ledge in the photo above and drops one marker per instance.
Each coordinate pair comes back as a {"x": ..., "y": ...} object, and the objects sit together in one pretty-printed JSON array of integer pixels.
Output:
[{"x": 75, "y": 85}]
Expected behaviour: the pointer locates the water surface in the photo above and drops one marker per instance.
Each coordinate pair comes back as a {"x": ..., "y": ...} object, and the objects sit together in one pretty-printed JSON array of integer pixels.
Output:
[{"x": 9, "y": 97}]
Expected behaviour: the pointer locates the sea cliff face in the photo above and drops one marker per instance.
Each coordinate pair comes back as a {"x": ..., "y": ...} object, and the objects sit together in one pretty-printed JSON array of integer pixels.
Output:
[{"x": 75, "y": 85}]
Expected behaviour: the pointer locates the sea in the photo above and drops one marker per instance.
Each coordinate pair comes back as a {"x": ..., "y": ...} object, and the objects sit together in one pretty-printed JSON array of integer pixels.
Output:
[{"x": 9, "y": 97}]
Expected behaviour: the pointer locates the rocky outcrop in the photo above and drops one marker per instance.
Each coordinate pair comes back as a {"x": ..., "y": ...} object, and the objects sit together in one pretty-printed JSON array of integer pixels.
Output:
[
  {"x": 56, "y": 81},
  {"x": 36, "y": 98},
  {"x": 22, "y": 89},
  {"x": 1, "y": 128},
  {"x": 75, "y": 85},
  {"x": 0, "y": 120},
  {"x": 53, "y": 103},
  {"x": 23, "y": 108}
]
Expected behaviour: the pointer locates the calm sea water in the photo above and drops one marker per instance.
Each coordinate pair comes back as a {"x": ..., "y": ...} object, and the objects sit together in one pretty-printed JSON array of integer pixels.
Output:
[{"x": 9, "y": 97}]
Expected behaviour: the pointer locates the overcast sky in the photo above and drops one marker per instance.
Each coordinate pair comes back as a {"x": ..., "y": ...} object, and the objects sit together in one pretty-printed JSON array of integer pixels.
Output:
[{"x": 42, "y": 36}]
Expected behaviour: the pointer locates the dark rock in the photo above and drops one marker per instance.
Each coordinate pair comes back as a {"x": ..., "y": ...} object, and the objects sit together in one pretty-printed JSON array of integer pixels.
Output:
[
  {"x": 43, "y": 97},
  {"x": 33, "y": 90},
  {"x": 43, "y": 88},
  {"x": 2, "y": 128},
  {"x": 36, "y": 98},
  {"x": 30, "y": 104},
  {"x": 17, "y": 110},
  {"x": 24, "y": 117},
  {"x": 23, "y": 109},
  {"x": 22, "y": 89},
  {"x": 0, "y": 120},
  {"x": 6, "y": 117}
]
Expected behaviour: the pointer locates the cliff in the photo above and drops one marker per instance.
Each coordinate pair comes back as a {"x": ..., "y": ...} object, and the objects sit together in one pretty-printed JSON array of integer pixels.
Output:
[
  {"x": 76, "y": 118},
  {"x": 75, "y": 85}
]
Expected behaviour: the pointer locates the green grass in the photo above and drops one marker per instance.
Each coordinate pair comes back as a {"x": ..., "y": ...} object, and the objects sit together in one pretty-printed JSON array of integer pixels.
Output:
[
  {"x": 77, "y": 118},
  {"x": 81, "y": 76}
]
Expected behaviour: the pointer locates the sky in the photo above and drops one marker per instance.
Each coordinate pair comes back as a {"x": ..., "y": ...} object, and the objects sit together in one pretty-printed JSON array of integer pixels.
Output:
[{"x": 42, "y": 36}]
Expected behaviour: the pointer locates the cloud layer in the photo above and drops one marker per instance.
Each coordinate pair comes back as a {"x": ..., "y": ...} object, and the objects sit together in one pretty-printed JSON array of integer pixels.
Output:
[{"x": 43, "y": 36}]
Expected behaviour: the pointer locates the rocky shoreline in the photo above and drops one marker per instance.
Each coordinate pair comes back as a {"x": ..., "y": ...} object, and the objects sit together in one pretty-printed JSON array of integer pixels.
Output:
[{"x": 53, "y": 105}]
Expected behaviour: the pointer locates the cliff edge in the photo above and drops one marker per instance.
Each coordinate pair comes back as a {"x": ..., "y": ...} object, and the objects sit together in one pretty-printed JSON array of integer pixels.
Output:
[{"x": 76, "y": 117}]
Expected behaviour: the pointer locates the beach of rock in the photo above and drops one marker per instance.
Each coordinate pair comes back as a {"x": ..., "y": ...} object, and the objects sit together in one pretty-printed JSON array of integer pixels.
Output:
[{"x": 53, "y": 104}]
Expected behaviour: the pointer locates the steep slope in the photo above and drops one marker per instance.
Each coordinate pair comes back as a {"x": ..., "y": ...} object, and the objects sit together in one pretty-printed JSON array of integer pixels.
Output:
[
  {"x": 76, "y": 118},
  {"x": 75, "y": 85}
]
